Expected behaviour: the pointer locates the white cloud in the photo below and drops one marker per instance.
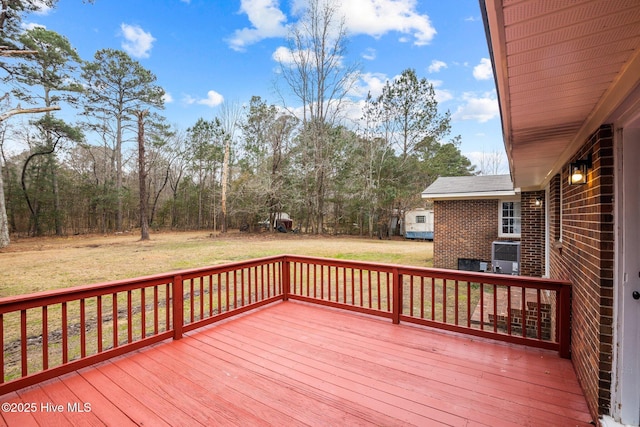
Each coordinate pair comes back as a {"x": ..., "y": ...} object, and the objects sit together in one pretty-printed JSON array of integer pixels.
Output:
[
  {"x": 283, "y": 55},
  {"x": 369, "y": 54},
  {"x": 369, "y": 83},
  {"x": 483, "y": 71},
  {"x": 378, "y": 17},
  {"x": 137, "y": 42},
  {"x": 267, "y": 20},
  {"x": 472, "y": 19},
  {"x": 436, "y": 66},
  {"x": 213, "y": 99},
  {"x": 370, "y": 17},
  {"x": 479, "y": 108},
  {"x": 167, "y": 98}
]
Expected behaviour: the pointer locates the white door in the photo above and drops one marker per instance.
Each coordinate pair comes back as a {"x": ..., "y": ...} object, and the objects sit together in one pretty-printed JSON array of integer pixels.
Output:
[{"x": 627, "y": 392}]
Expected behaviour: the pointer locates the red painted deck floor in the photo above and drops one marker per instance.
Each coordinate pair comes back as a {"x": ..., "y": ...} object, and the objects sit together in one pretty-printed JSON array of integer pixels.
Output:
[{"x": 296, "y": 364}]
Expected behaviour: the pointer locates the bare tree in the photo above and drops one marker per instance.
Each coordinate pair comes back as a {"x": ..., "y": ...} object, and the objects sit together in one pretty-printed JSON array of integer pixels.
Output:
[
  {"x": 317, "y": 76},
  {"x": 491, "y": 163},
  {"x": 229, "y": 117}
]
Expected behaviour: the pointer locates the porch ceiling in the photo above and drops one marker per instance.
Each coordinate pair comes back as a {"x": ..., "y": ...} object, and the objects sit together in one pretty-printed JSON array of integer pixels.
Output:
[{"x": 562, "y": 68}]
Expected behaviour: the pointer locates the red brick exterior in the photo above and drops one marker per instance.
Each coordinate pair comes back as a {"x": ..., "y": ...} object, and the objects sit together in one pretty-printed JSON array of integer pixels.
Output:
[
  {"x": 463, "y": 229},
  {"x": 532, "y": 246},
  {"x": 585, "y": 256},
  {"x": 466, "y": 229}
]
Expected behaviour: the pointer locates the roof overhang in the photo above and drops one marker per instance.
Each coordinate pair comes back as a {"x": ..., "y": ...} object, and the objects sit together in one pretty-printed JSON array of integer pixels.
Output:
[
  {"x": 472, "y": 196},
  {"x": 562, "y": 69}
]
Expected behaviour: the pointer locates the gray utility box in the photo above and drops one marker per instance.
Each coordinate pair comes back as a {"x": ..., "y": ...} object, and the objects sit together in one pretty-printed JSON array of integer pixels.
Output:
[{"x": 505, "y": 257}]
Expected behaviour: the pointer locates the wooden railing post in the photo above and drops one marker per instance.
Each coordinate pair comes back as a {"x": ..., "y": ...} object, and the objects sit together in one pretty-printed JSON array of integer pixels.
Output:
[
  {"x": 178, "y": 307},
  {"x": 564, "y": 321},
  {"x": 286, "y": 278},
  {"x": 397, "y": 296}
]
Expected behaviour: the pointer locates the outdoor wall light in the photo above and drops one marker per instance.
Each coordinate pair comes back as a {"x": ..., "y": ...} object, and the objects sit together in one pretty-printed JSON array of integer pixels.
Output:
[
  {"x": 578, "y": 171},
  {"x": 538, "y": 202}
]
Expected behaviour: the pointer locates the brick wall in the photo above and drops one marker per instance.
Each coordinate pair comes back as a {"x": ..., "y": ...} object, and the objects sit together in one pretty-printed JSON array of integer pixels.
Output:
[
  {"x": 532, "y": 248},
  {"x": 585, "y": 256},
  {"x": 466, "y": 229},
  {"x": 463, "y": 229}
]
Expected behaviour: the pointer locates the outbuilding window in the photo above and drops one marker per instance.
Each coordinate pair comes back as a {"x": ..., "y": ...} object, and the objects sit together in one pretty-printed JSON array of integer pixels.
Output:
[
  {"x": 421, "y": 219},
  {"x": 509, "y": 218}
]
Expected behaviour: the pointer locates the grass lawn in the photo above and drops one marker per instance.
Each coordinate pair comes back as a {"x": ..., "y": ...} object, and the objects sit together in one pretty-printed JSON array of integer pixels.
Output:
[{"x": 36, "y": 264}]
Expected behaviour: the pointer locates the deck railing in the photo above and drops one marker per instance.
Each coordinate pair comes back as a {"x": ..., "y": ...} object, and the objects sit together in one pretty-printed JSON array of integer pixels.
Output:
[{"x": 50, "y": 333}]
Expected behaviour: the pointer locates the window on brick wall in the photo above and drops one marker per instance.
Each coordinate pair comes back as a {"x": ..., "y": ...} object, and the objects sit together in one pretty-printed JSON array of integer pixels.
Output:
[
  {"x": 509, "y": 220},
  {"x": 421, "y": 219}
]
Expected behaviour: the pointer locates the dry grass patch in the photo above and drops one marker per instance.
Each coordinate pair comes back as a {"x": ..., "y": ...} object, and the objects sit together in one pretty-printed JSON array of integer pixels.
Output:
[{"x": 37, "y": 264}]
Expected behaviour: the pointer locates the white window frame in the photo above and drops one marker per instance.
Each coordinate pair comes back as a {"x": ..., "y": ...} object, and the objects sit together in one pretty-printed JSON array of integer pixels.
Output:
[
  {"x": 421, "y": 219},
  {"x": 500, "y": 208}
]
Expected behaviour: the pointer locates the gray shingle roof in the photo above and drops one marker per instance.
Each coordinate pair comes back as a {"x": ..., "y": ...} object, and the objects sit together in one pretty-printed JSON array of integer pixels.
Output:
[{"x": 470, "y": 187}]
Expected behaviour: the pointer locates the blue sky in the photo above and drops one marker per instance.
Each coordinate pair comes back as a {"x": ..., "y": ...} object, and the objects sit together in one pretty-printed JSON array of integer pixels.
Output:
[{"x": 204, "y": 52}]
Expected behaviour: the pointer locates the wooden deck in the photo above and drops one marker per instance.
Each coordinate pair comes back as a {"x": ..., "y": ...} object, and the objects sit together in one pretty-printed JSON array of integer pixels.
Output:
[{"x": 297, "y": 364}]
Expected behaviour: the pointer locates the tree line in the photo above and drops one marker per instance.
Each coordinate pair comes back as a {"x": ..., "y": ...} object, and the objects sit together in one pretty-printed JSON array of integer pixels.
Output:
[{"x": 120, "y": 166}]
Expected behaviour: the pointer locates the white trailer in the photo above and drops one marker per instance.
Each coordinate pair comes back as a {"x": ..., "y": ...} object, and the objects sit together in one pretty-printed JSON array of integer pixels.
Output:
[{"x": 418, "y": 224}]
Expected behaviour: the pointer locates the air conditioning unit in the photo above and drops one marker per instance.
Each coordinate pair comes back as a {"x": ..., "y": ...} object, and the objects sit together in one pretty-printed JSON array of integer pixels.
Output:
[{"x": 505, "y": 257}]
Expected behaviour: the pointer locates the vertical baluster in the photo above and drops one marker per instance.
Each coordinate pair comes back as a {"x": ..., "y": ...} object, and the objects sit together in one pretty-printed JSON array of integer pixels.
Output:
[
  {"x": 495, "y": 308},
  {"x": 468, "y": 304},
  {"x": 456, "y": 301},
  {"x": 444, "y": 300},
  {"x": 211, "y": 295},
  {"x": 524, "y": 313},
  {"x": 156, "y": 306},
  {"x": 83, "y": 330},
  {"x": 99, "y": 321},
  {"x": 45, "y": 337},
  {"x": 129, "y": 317},
  {"x": 201, "y": 279},
  {"x": 379, "y": 289},
  {"x": 191, "y": 300},
  {"x": 344, "y": 285},
  {"x": 168, "y": 305},
  {"x": 242, "y": 287},
  {"x": 219, "y": 293},
  {"x": 23, "y": 341},
  {"x": 481, "y": 306},
  {"x": 226, "y": 291},
  {"x": 360, "y": 273},
  {"x": 509, "y": 310},
  {"x": 65, "y": 334},
  {"x": 114, "y": 319},
  {"x": 143, "y": 313},
  {"x": 353, "y": 286},
  {"x": 433, "y": 298},
  {"x": 370, "y": 288},
  {"x": 422, "y": 297}
]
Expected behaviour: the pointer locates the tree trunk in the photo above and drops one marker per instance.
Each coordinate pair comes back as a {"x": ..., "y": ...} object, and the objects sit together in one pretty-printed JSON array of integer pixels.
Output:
[
  {"x": 118, "y": 153},
  {"x": 225, "y": 179},
  {"x": 142, "y": 173},
  {"x": 56, "y": 197},
  {"x": 4, "y": 224}
]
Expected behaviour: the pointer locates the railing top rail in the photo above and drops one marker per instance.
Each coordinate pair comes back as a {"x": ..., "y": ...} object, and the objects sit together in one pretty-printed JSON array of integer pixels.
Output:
[
  {"x": 26, "y": 301},
  {"x": 439, "y": 273},
  {"x": 38, "y": 299}
]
